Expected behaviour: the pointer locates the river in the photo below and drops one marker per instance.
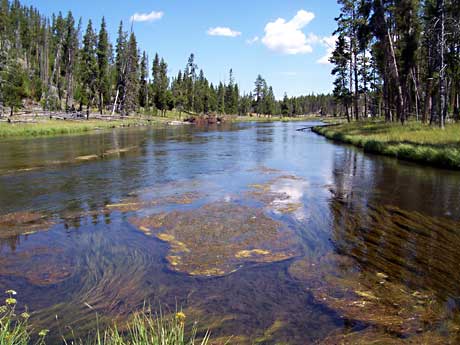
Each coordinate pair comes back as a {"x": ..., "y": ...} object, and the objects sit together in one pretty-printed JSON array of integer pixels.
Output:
[{"x": 256, "y": 230}]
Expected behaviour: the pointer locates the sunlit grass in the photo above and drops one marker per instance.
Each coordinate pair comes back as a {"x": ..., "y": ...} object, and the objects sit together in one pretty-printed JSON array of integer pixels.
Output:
[
  {"x": 273, "y": 118},
  {"x": 413, "y": 141},
  {"x": 56, "y": 127},
  {"x": 144, "y": 328}
]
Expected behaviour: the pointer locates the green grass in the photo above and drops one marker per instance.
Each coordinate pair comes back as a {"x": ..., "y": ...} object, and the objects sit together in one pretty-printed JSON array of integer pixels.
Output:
[
  {"x": 272, "y": 119},
  {"x": 58, "y": 127},
  {"x": 143, "y": 329},
  {"x": 414, "y": 141}
]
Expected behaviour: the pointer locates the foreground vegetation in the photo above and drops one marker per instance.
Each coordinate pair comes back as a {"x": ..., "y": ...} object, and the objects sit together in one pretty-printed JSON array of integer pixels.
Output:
[
  {"x": 414, "y": 141},
  {"x": 144, "y": 328}
]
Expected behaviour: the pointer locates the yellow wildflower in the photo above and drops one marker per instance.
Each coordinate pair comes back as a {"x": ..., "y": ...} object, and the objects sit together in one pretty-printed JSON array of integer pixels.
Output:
[
  {"x": 43, "y": 332},
  {"x": 25, "y": 315},
  {"x": 180, "y": 316},
  {"x": 11, "y": 292},
  {"x": 11, "y": 301}
]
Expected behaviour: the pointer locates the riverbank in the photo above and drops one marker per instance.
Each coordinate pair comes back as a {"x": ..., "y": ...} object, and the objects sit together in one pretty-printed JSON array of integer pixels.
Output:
[
  {"x": 50, "y": 127},
  {"x": 414, "y": 142},
  {"x": 60, "y": 127},
  {"x": 274, "y": 118}
]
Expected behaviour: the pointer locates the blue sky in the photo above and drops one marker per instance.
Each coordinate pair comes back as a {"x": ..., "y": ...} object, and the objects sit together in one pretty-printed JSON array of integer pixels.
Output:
[{"x": 286, "y": 41}]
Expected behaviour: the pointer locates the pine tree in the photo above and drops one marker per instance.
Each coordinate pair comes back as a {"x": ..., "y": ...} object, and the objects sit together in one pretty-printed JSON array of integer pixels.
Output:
[
  {"x": 340, "y": 58},
  {"x": 143, "y": 82},
  {"x": 103, "y": 81},
  {"x": 130, "y": 100},
  {"x": 163, "y": 85},
  {"x": 12, "y": 84},
  {"x": 259, "y": 86},
  {"x": 156, "y": 80},
  {"x": 88, "y": 68},
  {"x": 121, "y": 64},
  {"x": 190, "y": 79}
]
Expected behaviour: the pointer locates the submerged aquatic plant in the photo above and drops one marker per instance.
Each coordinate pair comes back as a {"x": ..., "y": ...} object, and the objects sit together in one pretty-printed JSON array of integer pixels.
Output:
[{"x": 219, "y": 238}]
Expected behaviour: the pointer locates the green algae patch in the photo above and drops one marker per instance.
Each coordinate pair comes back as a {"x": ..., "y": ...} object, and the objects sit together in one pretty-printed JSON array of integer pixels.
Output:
[
  {"x": 219, "y": 238},
  {"x": 373, "y": 298},
  {"x": 23, "y": 223}
]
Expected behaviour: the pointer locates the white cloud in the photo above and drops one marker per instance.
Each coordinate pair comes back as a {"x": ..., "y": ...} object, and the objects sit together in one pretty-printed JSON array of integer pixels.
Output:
[
  {"x": 147, "y": 17},
  {"x": 253, "y": 40},
  {"x": 329, "y": 44},
  {"x": 287, "y": 37},
  {"x": 223, "y": 31}
]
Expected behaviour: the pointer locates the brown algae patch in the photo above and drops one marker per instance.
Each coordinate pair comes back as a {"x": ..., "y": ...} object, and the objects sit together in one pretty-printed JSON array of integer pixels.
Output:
[
  {"x": 408, "y": 246},
  {"x": 375, "y": 336},
  {"x": 23, "y": 223},
  {"x": 39, "y": 266},
  {"x": 135, "y": 203},
  {"x": 219, "y": 238},
  {"x": 265, "y": 170},
  {"x": 373, "y": 298},
  {"x": 119, "y": 151}
]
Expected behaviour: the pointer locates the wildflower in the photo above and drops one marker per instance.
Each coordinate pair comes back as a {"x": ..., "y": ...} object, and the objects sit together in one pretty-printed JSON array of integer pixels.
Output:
[
  {"x": 180, "y": 316},
  {"x": 3, "y": 309},
  {"x": 11, "y": 292},
  {"x": 25, "y": 315},
  {"x": 11, "y": 301},
  {"x": 43, "y": 333}
]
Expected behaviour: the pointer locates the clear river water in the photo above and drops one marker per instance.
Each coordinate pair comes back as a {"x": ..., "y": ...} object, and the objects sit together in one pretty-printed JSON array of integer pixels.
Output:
[{"x": 260, "y": 233}]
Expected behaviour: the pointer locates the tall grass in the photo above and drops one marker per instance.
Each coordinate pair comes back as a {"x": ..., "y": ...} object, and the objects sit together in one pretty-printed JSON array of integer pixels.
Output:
[
  {"x": 414, "y": 141},
  {"x": 144, "y": 328},
  {"x": 57, "y": 127}
]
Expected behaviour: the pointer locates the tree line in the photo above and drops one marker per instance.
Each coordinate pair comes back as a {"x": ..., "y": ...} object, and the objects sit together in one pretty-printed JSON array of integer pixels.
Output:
[
  {"x": 398, "y": 59},
  {"x": 67, "y": 66}
]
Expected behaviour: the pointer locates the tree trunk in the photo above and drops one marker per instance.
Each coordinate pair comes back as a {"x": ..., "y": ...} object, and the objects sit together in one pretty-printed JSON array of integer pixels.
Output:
[
  {"x": 400, "y": 104},
  {"x": 442, "y": 72}
]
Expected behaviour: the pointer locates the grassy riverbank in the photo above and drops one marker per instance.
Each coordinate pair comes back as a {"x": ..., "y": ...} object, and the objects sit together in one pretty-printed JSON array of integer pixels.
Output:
[
  {"x": 61, "y": 127},
  {"x": 274, "y": 118},
  {"x": 414, "y": 141},
  {"x": 144, "y": 328}
]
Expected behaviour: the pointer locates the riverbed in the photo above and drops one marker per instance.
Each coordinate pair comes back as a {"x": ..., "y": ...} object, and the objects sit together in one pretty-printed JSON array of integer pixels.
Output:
[{"x": 259, "y": 232}]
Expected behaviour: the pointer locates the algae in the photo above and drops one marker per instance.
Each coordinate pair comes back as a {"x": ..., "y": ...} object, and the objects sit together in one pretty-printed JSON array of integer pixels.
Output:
[
  {"x": 219, "y": 238},
  {"x": 373, "y": 298},
  {"x": 39, "y": 266},
  {"x": 23, "y": 223},
  {"x": 135, "y": 203}
]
